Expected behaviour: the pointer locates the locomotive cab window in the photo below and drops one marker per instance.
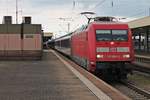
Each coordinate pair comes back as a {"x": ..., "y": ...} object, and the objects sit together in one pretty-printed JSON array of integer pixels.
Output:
[
  {"x": 119, "y": 35},
  {"x": 103, "y": 35},
  {"x": 111, "y": 35}
]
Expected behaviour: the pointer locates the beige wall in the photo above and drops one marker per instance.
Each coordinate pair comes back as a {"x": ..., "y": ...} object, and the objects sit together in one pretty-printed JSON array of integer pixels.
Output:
[{"x": 11, "y": 43}]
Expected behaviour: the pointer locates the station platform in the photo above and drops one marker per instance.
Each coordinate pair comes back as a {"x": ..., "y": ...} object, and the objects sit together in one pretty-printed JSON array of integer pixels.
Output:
[{"x": 48, "y": 79}]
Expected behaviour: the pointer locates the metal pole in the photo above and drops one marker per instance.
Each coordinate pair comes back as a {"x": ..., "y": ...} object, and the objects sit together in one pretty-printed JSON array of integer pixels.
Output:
[
  {"x": 74, "y": 4},
  {"x": 68, "y": 27},
  {"x": 149, "y": 11},
  {"x": 16, "y": 11}
]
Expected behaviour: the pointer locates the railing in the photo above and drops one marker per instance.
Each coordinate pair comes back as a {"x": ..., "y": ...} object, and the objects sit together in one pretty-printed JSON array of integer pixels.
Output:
[{"x": 143, "y": 59}]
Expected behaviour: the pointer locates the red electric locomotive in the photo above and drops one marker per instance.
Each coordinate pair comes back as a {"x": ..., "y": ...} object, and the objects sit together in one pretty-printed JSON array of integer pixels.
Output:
[{"x": 103, "y": 47}]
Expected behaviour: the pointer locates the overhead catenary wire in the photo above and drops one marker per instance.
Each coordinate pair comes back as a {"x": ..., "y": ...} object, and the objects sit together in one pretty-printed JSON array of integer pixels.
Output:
[
  {"x": 98, "y": 4},
  {"x": 69, "y": 19},
  {"x": 21, "y": 8},
  {"x": 149, "y": 11},
  {"x": 137, "y": 14},
  {"x": 7, "y": 7},
  {"x": 74, "y": 4}
]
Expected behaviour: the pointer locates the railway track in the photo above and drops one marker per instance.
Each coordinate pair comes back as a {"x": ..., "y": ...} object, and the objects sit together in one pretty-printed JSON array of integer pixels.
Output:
[
  {"x": 141, "y": 68},
  {"x": 132, "y": 91},
  {"x": 137, "y": 89}
]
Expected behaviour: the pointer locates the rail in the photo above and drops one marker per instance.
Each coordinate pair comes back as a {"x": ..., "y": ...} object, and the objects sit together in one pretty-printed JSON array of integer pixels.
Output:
[{"x": 137, "y": 89}]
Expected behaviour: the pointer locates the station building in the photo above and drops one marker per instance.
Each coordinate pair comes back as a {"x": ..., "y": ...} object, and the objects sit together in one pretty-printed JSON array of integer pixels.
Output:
[
  {"x": 20, "y": 41},
  {"x": 141, "y": 34}
]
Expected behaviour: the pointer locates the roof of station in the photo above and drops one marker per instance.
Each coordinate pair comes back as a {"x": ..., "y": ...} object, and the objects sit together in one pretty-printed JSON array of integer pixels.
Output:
[
  {"x": 48, "y": 34},
  {"x": 145, "y": 21}
]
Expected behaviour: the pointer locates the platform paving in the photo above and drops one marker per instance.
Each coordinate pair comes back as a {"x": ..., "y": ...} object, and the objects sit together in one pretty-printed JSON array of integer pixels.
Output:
[{"x": 48, "y": 79}]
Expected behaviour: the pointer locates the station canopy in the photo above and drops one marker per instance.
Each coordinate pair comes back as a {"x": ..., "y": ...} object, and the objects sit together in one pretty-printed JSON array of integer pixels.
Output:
[
  {"x": 48, "y": 34},
  {"x": 142, "y": 22}
]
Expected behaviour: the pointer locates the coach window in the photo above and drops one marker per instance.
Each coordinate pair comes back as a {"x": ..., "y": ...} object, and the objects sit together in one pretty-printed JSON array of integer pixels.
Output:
[{"x": 67, "y": 43}]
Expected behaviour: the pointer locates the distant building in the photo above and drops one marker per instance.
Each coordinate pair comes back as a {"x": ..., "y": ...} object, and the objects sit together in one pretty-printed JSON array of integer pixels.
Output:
[{"x": 47, "y": 36}]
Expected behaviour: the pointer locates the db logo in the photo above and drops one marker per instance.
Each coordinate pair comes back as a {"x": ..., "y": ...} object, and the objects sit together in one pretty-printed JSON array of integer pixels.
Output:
[{"x": 112, "y": 49}]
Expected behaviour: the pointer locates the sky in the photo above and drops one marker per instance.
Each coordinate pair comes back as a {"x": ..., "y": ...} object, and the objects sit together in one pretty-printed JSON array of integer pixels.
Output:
[{"x": 54, "y": 15}]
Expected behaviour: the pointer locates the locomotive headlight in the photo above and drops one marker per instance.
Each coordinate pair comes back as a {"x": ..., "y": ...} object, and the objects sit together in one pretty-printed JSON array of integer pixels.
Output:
[
  {"x": 99, "y": 56},
  {"x": 126, "y": 56}
]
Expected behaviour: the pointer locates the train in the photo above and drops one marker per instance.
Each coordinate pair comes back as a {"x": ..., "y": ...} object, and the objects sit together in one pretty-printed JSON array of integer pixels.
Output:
[{"x": 102, "y": 47}]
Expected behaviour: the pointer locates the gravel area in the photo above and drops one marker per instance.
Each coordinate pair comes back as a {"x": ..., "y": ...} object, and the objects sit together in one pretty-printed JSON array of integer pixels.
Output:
[
  {"x": 129, "y": 92},
  {"x": 141, "y": 80}
]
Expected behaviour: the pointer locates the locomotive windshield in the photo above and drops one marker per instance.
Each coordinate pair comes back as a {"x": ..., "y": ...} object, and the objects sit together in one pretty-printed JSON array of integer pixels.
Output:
[{"x": 111, "y": 35}]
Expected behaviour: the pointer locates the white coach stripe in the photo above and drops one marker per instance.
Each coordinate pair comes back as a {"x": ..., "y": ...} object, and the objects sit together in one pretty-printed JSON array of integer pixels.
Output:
[{"x": 101, "y": 95}]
